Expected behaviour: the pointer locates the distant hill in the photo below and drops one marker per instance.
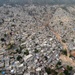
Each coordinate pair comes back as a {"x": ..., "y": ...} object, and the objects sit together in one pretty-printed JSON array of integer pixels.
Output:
[{"x": 36, "y": 1}]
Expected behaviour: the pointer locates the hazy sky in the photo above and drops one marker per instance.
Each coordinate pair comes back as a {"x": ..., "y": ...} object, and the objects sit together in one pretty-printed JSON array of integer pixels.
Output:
[{"x": 37, "y": 1}]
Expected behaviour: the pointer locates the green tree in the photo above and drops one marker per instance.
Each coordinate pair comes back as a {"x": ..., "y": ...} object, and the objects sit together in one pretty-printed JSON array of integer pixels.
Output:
[
  {"x": 19, "y": 58},
  {"x": 48, "y": 70},
  {"x": 36, "y": 51},
  {"x": 64, "y": 52},
  {"x": 58, "y": 65},
  {"x": 3, "y": 40},
  {"x": 18, "y": 50},
  {"x": 46, "y": 58},
  {"x": 26, "y": 52},
  {"x": 10, "y": 46},
  {"x": 63, "y": 41},
  {"x": 66, "y": 72},
  {"x": 70, "y": 68}
]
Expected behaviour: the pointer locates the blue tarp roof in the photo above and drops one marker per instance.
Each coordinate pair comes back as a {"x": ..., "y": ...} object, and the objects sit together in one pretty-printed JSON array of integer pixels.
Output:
[{"x": 3, "y": 72}]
